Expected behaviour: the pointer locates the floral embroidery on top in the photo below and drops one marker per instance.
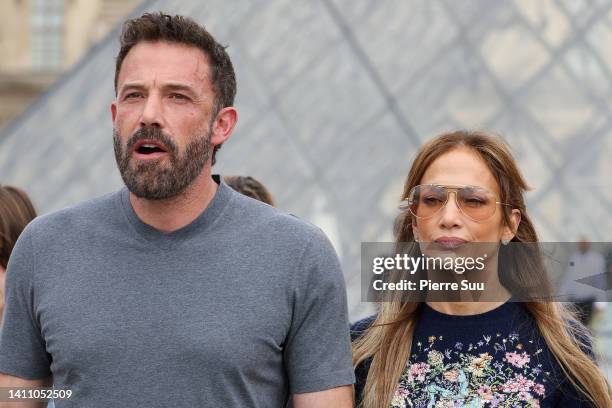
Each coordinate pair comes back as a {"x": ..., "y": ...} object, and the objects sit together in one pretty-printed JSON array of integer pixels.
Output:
[{"x": 467, "y": 376}]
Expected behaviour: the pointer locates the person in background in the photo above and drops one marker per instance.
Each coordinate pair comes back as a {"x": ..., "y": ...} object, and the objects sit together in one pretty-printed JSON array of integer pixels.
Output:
[
  {"x": 609, "y": 268},
  {"x": 586, "y": 262},
  {"x": 466, "y": 188},
  {"x": 16, "y": 211},
  {"x": 250, "y": 187}
]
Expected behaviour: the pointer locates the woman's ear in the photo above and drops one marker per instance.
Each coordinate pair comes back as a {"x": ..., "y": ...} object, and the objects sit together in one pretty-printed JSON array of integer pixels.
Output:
[{"x": 510, "y": 230}]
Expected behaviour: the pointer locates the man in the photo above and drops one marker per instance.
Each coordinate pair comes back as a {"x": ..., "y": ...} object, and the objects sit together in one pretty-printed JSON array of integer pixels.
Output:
[{"x": 176, "y": 291}]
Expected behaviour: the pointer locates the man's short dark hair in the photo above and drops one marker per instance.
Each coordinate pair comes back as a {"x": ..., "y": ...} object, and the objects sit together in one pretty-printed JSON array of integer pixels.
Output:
[{"x": 183, "y": 30}]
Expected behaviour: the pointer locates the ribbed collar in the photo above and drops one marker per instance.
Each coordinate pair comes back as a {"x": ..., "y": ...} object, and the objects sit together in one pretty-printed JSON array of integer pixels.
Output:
[{"x": 203, "y": 222}]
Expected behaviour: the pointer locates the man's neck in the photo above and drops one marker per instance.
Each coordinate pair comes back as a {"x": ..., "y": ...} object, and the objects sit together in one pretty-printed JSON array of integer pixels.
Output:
[{"x": 176, "y": 212}]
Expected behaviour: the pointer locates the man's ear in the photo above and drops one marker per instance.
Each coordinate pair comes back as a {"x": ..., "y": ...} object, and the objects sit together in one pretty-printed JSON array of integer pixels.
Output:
[
  {"x": 223, "y": 125},
  {"x": 113, "y": 111},
  {"x": 510, "y": 230}
]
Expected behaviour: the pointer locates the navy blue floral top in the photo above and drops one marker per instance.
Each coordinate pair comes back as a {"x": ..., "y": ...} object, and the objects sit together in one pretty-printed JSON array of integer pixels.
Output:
[{"x": 494, "y": 359}]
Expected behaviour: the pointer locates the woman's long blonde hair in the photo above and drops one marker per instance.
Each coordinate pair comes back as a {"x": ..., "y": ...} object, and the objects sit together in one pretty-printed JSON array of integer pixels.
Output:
[{"x": 388, "y": 340}]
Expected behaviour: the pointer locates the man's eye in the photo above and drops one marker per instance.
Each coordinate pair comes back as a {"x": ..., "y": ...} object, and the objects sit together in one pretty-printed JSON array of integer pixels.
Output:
[
  {"x": 179, "y": 97},
  {"x": 133, "y": 95}
]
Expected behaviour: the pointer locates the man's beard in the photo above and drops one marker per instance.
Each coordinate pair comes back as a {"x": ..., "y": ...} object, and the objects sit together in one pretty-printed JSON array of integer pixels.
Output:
[{"x": 154, "y": 179}]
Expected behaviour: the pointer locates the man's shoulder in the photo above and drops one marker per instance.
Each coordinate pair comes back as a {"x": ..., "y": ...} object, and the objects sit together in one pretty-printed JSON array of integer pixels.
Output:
[
  {"x": 77, "y": 215},
  {"x": 261, "y": 216}
]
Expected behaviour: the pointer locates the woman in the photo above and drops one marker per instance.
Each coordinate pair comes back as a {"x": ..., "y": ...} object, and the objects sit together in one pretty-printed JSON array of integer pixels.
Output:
[
  {"x": 16, "y": 211},
  {"x": 473, "y": 354}
]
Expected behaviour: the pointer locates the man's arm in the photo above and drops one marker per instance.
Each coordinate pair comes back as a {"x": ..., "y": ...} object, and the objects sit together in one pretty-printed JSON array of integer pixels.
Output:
[
  {"x": 9, "y": 381},
  {"x": 318, "y": 346},
  {"x": 340, "y": 397}
]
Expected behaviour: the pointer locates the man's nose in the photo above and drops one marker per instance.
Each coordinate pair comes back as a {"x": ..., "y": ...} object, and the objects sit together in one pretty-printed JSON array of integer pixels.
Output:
[{"x": 152, "y": 113}]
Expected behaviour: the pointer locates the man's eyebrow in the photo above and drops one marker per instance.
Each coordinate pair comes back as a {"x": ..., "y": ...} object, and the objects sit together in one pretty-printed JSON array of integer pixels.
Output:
[
  {"x": 176, "y": 86},
  {"x": 131, "y": 85}
]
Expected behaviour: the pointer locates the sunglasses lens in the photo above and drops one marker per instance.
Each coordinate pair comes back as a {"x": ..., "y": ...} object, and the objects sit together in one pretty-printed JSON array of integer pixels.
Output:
[
  {"x": 426, "y": 200},
  {"x": 476, "y": 202}
]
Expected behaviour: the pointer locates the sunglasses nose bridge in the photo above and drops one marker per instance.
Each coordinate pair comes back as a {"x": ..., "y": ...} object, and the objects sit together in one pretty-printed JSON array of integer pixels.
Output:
[
  {"x": 454, "y": 192},
  {"x": 450, "y": 191}
]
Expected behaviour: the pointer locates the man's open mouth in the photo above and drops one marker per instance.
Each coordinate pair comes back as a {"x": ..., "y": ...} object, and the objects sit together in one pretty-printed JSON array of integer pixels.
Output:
[{"x": 149, "y": 148}]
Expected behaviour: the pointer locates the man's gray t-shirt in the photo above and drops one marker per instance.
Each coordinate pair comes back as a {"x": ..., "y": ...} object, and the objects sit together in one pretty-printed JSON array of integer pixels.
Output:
[{"x": 240, "y": 308}]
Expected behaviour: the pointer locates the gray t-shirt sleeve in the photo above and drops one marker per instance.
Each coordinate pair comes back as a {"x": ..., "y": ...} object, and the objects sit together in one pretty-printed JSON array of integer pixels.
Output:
[
  {"x": 22, "y": 348},
  {"x": 318, "y": 347}
]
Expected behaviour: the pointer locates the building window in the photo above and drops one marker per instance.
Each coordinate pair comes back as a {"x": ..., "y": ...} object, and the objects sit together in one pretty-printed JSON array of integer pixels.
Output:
[{"x": 47, "y": 34}]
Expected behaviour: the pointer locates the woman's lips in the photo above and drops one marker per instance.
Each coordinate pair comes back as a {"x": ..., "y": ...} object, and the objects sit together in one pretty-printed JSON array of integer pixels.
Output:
[{"x": 450, "y": 242}]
